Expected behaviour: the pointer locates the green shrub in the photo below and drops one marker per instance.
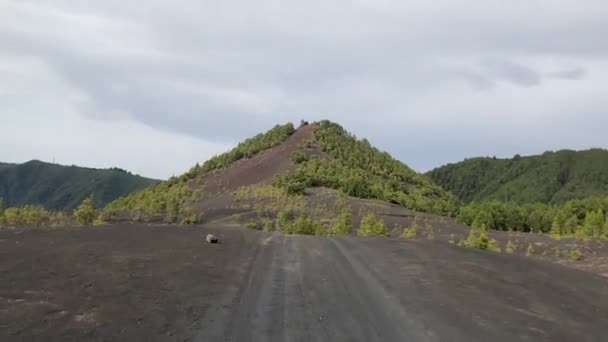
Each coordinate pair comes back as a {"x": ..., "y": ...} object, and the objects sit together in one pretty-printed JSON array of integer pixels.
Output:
[
  {"x": 412, "y": 231},
  {"x": 372, "y": 226},
  {"x": 576, "y": 255},
  {"x": 510, "y": 248},
  {"x": 268, "y": 225},
  {"x": 530, "y": 250},
  {"x": 285, "y": 217},
  {"x": 478, "y": 238},
  {"x": 251, "y": 225},
  {"x": 303, "y": 225},
  {"x": 86, "y": 212},
  {"x": 343, "y": 224},
  {"x": 298, "y": 157}
]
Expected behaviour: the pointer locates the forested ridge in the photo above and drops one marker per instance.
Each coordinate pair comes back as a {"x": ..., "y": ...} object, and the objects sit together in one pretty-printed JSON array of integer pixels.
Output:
[
  {"x": 59, "y": 187},
  {"x": 553, "y": 177}
]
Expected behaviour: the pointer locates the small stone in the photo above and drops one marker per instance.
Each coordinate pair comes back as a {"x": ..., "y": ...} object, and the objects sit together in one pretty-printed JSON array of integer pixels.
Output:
[{"x": 211, "y": 238}]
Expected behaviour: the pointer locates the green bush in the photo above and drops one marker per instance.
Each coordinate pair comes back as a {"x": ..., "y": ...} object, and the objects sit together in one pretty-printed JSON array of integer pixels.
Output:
[
  {"x": 268, "y": 225},
  {"x": 285, "y": 217},
  {"x": 576, "y": 255},
  {"x": 251, "y": 225},
  {"x": 510, "y": 248},
  {"x": 303, "y": 225},
  {"x": 298, "y": 157},
  {"x": 372, "y": 226},
  {"x": 343, "y": 224},
  {"x": 86, "y": 212},
  {"x": 478, "y": 238}
]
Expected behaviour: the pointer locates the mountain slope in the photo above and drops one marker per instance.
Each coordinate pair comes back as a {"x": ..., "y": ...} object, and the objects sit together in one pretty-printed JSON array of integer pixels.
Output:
[
  {"x": 61, "y": 187},
  {"x": 317, "y": 156},
  {"x": 553, "y": 177}
]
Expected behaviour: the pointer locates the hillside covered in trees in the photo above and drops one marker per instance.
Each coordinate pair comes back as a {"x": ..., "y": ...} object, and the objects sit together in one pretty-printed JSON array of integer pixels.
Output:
[
  {"x": 551, "y": 178},
  {"x": 59, "y": 187},
  {"x": 360, "y": 170}
]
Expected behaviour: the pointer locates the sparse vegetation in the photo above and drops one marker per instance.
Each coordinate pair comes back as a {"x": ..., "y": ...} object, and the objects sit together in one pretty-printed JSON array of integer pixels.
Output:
[
  {"x": 268, "y": 225},
  {"x": 576, "y": 255},
  {"x": 529, "y": 250},
  {"x": 372, "y": 226},
  {"x": 251, "y": 225},
  {"x": 411, "y": 232},
  {"x": 510, "y": 247},
  {"x": 479, "y": 238},
  {"x": 303, "y": 225},
  {"x": 360, "y": 170},
  {"x": 246, "y": 149}
]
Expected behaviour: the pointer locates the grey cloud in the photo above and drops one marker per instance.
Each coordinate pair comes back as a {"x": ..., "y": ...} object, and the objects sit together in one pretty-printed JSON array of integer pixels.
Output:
[
  {"x": 223, "y": 70},
  {"x": 512, "y": 72},
  {"x": 569, "y": 74}
]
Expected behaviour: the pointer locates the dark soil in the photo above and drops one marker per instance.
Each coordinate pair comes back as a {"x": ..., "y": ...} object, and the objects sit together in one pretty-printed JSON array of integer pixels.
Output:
[
  {"x": 162, "y": 283},
  {"x": 112, "y": 283}
]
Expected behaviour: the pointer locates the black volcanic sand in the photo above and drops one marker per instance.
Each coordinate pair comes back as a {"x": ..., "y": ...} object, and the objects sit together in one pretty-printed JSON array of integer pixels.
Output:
[{"x": 162, "y": 283}]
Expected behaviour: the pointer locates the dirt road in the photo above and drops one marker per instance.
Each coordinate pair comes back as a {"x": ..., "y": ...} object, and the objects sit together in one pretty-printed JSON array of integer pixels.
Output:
[{"x": 257, "y": 286}]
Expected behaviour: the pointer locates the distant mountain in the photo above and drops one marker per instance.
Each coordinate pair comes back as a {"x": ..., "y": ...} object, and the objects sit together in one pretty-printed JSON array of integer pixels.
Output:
[
  {"x": 61, "y": 187},
  {"x": 553, "y": 177}
]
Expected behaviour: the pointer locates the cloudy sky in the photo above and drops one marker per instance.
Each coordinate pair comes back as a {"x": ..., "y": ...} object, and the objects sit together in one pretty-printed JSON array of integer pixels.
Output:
[{"x": 155, "y": 86}]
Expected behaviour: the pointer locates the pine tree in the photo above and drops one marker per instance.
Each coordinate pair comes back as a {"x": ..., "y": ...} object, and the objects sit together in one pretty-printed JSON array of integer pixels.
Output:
[
  {"x": 86, "y": 212},
  {"x": 594, "y": 223},
  {"x": 556, "y": 229}
]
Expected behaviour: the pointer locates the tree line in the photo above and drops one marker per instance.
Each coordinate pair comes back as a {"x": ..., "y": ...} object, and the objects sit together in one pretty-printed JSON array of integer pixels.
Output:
[{"x": 585, "y": 218}]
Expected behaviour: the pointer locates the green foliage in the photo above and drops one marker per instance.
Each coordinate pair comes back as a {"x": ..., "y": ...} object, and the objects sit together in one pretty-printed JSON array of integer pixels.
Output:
[
  {"x": 304, "y": 226},
  {"x": 479, "y": 238},
  {"x": 576, "y": 255},
  {"x": 251, "y": 225},
  {"x": 58, "y": 187},
  {"x": 372, "y": 226},
  {"x": 511, "y": 247},
  {"x": 268, "y": 225},
  {"x": 411, "y": 232},
  {"x": 530, "y": 250},
  {"x": 360, "y": 170},
  {"x": 553, "y": 177},
  {"x": 285, "y": 217},
  {"x": 170, "y": 200},
  {"x": 594, "y": 223},
  {"x": 343, "y": 224},
  {"x": 86, "y": 212},
  {"x": 584, "y": 218},
  {"x": 33, "y": 216},
  {"x": 299, "y": 157}
]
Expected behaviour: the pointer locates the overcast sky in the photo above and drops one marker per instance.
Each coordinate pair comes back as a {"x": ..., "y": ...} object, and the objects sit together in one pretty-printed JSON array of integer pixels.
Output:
[{"x": 155, "y": 86}]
